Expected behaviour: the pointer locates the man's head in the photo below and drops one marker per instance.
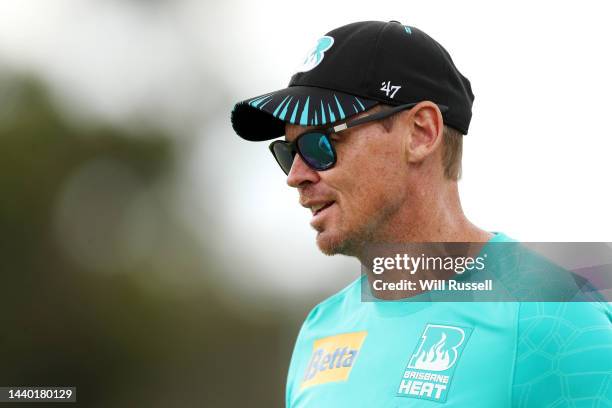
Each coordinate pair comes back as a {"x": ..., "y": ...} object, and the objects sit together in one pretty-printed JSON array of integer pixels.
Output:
[
  {"x": 380, "y": 172},
  {"x": 383, "y": 168}
]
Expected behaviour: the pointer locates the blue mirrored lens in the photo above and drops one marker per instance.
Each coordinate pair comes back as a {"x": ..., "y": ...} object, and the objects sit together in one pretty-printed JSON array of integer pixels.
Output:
[{"x": 316, "y": 150}]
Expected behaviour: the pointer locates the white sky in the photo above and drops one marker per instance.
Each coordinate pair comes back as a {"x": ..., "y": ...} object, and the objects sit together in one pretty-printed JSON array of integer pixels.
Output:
[{"x": 536, "y": 162}]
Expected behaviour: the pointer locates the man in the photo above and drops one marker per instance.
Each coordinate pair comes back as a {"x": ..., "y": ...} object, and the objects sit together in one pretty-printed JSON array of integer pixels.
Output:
[{"x": 373, "y": 123}]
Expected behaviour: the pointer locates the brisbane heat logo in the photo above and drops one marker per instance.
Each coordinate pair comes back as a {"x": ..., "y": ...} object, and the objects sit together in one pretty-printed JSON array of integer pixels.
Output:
[{"x": 431, "y": 366}]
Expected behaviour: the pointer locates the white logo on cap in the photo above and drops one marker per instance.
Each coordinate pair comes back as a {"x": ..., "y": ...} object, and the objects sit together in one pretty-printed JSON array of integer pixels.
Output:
[
  {"x": 388, "y": 88},
  {"x": 316, "y": 54}
]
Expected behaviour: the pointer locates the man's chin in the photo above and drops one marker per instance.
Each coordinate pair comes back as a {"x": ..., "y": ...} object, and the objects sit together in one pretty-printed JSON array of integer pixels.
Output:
[
  {"x": 328, "y": 242},
  {"x": 334, "y": 244}
]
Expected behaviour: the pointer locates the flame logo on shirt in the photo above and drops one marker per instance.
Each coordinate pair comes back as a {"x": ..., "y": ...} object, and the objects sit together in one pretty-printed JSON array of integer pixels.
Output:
[{"x": 438, "y": 348}]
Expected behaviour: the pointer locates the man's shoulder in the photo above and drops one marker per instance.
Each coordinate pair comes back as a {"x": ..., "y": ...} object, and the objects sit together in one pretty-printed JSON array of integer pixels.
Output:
[
  {"x": 538, "y": 272},
  {"x": 563, "y": 319},
  {"x": 564, "y": 353},
  {"x": 341, "y": 302}
]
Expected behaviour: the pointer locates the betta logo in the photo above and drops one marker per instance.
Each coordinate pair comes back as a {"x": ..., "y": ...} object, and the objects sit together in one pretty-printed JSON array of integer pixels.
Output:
[
  {"x": 431, "y": 366},
  {"x": 322, "y": 361},
  {"x": 333, "y": 358}
]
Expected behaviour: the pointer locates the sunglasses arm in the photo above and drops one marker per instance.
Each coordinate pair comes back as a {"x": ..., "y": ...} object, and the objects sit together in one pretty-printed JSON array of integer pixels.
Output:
[{"x": 379, "y": 115}]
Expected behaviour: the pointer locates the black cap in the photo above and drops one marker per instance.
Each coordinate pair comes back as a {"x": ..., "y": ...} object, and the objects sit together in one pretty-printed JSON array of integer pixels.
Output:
[{"x": 353, "y": 68}]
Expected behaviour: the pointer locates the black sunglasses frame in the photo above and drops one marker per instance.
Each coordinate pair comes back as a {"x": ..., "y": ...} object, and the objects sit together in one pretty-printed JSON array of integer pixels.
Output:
[{"x": 294, "y": 147}]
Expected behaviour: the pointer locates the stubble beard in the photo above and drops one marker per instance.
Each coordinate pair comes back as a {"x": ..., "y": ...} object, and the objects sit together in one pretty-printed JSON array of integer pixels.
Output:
[
  {"x": 350, "y": 245},
  {"x": 354, "y": 243}
]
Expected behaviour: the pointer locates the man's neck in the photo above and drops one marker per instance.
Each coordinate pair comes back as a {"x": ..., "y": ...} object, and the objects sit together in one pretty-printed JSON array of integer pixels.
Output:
[{"x": 429, "y": 217}]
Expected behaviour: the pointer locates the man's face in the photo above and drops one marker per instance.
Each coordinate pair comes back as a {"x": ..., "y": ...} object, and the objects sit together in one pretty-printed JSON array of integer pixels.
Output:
[{"x": 355, "y": 201}]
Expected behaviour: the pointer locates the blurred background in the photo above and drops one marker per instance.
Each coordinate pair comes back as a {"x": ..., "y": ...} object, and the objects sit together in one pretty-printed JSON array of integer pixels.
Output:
[{"x": 149, "y": 257}]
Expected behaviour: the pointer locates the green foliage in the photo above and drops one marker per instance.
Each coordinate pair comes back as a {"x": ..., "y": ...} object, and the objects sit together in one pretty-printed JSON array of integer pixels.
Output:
[{"x": 120, "y": 344}]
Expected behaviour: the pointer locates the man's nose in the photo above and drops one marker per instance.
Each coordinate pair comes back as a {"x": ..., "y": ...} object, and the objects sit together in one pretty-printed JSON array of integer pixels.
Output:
[{"x": 300, "y": 173}]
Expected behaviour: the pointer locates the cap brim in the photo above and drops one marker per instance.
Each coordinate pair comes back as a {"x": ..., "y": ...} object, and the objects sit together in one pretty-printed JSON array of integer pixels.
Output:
[{"x": 264, "y": 117}]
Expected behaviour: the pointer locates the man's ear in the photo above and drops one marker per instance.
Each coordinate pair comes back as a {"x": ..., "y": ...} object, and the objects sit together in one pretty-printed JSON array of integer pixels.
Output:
[{"x": 422, "y": 131}]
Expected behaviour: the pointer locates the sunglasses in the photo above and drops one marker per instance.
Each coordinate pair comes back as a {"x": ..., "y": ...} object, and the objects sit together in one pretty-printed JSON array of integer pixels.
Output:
[{"x": 315, "y": 147}]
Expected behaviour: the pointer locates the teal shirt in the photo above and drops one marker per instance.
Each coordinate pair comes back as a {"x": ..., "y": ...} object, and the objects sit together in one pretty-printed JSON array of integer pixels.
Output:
[{"x": 351, "y": 353}]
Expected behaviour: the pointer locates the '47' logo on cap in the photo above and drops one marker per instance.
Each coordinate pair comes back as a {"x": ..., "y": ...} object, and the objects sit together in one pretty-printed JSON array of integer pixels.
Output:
[
  {"x": 432, "y": 364},
  {"x": 390, "y": 89}
]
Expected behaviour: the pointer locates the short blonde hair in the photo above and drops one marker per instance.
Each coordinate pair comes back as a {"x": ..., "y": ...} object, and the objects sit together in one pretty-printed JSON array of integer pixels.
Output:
[
  {"x": 452, "y": 152},
  {"x": 452, "y": 147}
]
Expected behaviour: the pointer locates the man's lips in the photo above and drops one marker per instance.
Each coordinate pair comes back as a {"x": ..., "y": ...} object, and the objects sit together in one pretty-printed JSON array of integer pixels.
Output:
[{"x": 317, "y": 206}]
